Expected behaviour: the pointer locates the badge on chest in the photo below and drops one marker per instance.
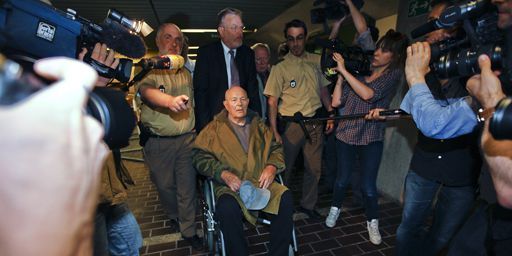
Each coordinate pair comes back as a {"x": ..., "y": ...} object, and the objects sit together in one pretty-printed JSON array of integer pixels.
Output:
[{"x": 293, "y": 83}]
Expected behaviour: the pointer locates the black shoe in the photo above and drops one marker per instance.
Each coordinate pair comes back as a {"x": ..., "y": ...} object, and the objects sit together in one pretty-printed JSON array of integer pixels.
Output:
[
  {"x": 312, "y": 214},
  {"x": 174, "y": 225},
  {"x": 195, "y": 241}
]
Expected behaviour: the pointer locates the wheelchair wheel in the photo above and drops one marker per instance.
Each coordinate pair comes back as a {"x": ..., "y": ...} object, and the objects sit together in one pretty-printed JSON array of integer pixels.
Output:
[{"x": 210, "y": 238}]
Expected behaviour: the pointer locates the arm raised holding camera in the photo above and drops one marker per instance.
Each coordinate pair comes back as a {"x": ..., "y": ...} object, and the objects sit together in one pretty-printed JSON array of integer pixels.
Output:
[
  {"x": 486, "y": 87},
  {"x": 454, "y": 119}
]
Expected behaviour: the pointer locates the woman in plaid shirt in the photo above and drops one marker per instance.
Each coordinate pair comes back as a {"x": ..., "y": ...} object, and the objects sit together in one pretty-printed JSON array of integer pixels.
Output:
[{"x": 359, "y": 139}]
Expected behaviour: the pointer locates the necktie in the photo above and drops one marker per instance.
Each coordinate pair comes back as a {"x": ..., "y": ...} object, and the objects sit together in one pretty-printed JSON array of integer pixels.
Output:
[{"x": 235, "y": 79}]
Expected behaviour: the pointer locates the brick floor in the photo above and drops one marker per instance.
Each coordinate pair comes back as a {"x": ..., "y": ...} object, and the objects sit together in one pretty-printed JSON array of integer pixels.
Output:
[{"x": 348, "y": 237}]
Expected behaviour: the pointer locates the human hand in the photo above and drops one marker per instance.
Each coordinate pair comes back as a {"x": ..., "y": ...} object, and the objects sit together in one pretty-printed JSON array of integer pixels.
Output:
[
  {"x": 329, "y": 127},
  {"x": 267, "y": 176},
  {"x": 178, "y": 103},
  {"x": 50, "y": 174},
  {"x": 278, "y": 137},
  {"x": 374, "y": 114},
  {"x": 231, "y": 180},
  {"x": 101, "y": 54},
  {"x": 486, "y": 86},
  {"x": 341, "y": 62},
  {"x": 417, "y": 63}
]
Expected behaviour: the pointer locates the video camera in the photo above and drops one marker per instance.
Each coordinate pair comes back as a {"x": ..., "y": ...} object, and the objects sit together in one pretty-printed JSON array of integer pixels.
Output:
[
  {"x": 458, "y": 57},
  {"x": 357, "y": 61},
  {"x": 31, "y": 30},
  {"x": 332, "y": 10}
]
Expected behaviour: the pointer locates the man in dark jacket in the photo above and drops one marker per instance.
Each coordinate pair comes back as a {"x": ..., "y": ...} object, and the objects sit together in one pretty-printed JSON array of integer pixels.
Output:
[{"x": 222, "y": 64}]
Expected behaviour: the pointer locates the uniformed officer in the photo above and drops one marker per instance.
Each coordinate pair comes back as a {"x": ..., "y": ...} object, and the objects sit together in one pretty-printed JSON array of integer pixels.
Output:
[
  {"x": 299, "y": 86},
  {"x": 167, "y": 115}
]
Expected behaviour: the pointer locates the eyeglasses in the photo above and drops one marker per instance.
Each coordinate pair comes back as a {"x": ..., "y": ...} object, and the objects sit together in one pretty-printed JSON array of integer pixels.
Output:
[{"x": 235, "y": 27}]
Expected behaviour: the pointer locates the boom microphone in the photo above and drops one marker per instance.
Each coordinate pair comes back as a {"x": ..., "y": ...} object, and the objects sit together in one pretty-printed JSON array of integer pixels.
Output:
[{"x": 170, "y": 61}]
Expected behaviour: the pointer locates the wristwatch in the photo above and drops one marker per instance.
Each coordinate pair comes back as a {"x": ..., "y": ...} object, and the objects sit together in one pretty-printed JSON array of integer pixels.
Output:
[{"x": 484, "y": 114}]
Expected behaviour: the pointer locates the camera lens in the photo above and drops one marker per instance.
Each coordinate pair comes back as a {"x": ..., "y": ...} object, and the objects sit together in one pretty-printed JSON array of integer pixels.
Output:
[
  {"x": 464, "y": 62},
  {"x": 110, "y": 108},
  {"x": 501, "y": 122}
]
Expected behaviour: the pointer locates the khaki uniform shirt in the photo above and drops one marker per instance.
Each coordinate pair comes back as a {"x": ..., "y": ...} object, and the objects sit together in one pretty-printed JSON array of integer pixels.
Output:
[
  {"x": 162, "y": 121},
  {"x": 297, "y": 82}
]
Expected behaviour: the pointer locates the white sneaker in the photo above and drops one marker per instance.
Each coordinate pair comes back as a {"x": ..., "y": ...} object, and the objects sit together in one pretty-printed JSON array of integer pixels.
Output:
[
  {"x": 373, "y": 231},
  {"x": 334, "y": 213}
]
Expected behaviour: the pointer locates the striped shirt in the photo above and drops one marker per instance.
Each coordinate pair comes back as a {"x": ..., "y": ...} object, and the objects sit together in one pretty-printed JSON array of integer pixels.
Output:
[{"x": 360, "y": 131}]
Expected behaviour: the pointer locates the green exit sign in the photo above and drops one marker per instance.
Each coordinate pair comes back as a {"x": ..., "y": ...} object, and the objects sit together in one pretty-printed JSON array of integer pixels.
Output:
[{"x": 418, "y": 7}]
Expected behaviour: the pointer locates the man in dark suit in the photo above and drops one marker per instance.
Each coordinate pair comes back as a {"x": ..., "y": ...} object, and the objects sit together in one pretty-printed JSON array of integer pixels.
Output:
[{"x": 214, "y": 72}]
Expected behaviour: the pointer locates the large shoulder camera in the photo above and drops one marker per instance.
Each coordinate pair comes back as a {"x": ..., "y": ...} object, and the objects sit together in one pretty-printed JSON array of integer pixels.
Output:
[
  {"x": 331, "y": 10},
  {"x": 31, "y": 30},
  {"x": 479, "y": 34},
  {"x": 458, "y": 56},
  {"x": 357, "y": 60}
]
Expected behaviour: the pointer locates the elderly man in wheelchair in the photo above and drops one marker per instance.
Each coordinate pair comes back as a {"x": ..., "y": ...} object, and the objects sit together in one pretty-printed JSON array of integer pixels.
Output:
[{"x": 239, "y": 153}]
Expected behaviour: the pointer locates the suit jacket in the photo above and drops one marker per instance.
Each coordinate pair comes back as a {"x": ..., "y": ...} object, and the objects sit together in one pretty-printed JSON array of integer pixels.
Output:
[{"x": 211, "y": 81}]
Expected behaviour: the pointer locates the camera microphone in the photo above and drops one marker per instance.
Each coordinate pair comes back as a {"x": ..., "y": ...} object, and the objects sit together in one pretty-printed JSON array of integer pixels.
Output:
[
  {"x": 121, "y": 40},
  {"x": 170, "y": 61}
]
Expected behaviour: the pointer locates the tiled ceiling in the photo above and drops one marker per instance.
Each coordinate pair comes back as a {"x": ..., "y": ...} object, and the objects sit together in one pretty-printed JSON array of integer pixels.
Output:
[
  {"x": 185, "y": 13},
  {"x": 202, "y": 13}
]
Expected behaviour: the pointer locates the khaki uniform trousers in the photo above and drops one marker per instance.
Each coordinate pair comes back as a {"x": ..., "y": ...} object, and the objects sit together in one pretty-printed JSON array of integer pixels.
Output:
[
  {"x": 170, "y": 164},
  {"x": 294, "y": 140}
]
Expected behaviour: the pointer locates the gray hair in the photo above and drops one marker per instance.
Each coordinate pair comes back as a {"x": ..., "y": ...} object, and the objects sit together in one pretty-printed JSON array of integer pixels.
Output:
[
  {"x": 261, "y": 45},
  {"x": 227, "y": 11}
]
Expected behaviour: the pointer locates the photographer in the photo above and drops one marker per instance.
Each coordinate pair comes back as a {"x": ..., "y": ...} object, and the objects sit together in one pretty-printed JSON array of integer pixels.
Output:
[
  {"x": 116, "y": 230},
  {"x": 445, "y": 161},
  {"x": 51, "y": 171},
  {"x": 488, "y": 231},
  {"x": 362, "y": 138},
  {"x": 365, "y": 37}
]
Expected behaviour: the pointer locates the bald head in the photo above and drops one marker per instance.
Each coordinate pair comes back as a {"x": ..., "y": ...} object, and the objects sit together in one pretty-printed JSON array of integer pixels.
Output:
[{"x": 236, "y": 102}]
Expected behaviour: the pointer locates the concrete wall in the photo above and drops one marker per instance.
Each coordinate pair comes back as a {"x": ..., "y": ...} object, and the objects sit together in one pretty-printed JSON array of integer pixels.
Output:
[
  {"x": 386, "y": 24},
  {"x": 401, "y": 134}
]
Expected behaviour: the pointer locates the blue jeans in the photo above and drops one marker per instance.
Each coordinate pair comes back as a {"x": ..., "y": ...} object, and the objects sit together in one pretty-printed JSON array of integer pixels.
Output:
[
  {"x": 116, "y": 231},
  {"x": 369, "y": 157},
  {"x": 452, "y": 207}
]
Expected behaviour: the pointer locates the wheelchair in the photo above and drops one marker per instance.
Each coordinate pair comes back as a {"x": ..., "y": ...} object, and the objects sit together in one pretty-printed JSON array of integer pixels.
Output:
[{"x": 212, "y": 235}]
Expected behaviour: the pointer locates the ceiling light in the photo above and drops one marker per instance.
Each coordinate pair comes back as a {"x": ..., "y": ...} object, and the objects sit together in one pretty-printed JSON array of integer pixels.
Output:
[
  {"x": 210, "y": 30},
  {"x": 198, "y": 30}
]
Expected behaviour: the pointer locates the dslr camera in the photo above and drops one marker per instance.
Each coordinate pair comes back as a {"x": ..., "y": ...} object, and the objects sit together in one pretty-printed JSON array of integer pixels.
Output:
[
  {"x": 31, "y": 30},
  {"x": 458, "y": 56}
]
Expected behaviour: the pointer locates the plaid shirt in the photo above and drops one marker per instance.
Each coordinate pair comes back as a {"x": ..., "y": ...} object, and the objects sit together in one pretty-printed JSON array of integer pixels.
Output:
[{"x": 360, "y": 131}]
